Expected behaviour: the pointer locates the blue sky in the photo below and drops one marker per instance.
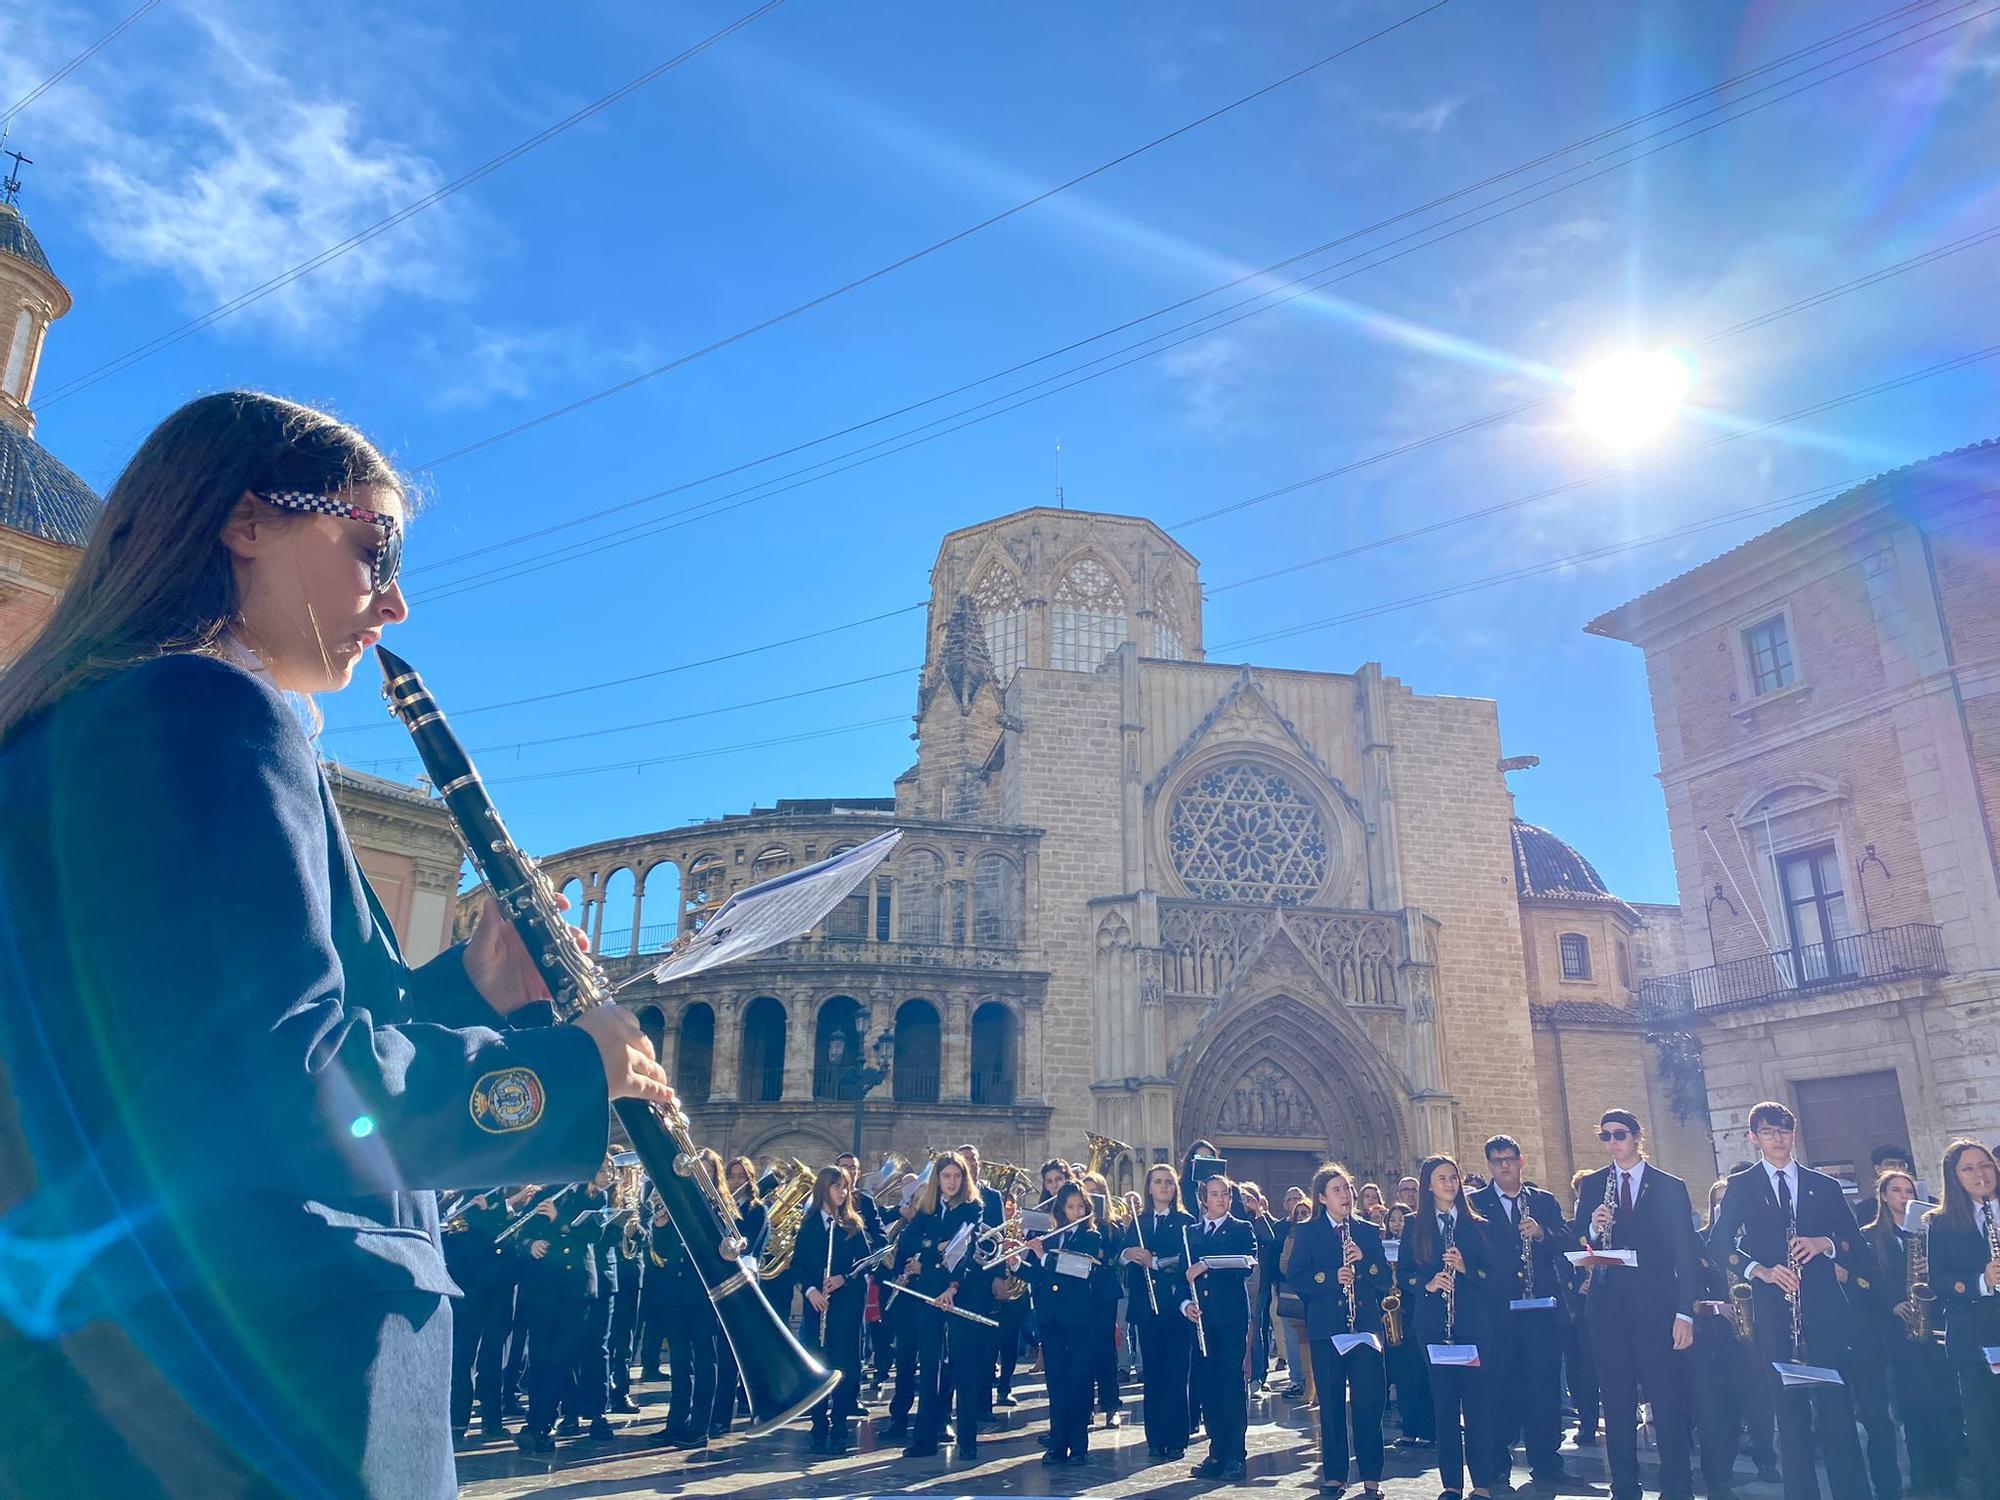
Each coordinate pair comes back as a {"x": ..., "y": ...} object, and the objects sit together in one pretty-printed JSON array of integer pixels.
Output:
[{"x": 208, "y": 150}]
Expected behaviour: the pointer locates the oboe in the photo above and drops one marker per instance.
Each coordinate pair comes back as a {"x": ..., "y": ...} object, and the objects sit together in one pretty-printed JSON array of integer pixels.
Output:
[{"x": 780, "y": 1378}]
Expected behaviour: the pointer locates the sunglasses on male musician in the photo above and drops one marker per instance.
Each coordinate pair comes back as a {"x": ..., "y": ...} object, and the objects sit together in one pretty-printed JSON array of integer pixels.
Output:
[
  {"x": 388, "y": 547},
  {"x": 1615, "y": 1133}
]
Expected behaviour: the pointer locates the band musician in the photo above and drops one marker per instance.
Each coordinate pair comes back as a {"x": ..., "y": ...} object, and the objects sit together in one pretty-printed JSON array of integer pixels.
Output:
[
  {"x": 1526, "y": 1380},
  {"x": 1794, "y": 1224},
  {"x": 1641, "y": 1317}
]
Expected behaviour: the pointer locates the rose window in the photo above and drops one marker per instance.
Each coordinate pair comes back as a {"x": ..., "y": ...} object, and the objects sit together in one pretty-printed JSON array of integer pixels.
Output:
[{"x": 1243, "y": 832}]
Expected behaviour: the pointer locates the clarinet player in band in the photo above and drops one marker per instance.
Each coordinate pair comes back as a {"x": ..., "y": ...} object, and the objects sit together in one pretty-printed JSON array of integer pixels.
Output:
[
  {"x": 829, "y": 1242},
  {"x": 1641, "y": 1317},
  {"x": 1334, "y": 1261},
  {"x": 1526, "y": 1377},
  {"x": 1064, "y": 1311},
  {"x": 1164, "y": 1337},
  {"x": 301, "y": 1085},
  {"x": 1909, "y": 1322},
  {"x": 1445, "y": 1274},
  {"x": 1964, "y": 1235},
  {"x": 1218, "y": 1297},
  {"x": 1795, "y": 1224}
]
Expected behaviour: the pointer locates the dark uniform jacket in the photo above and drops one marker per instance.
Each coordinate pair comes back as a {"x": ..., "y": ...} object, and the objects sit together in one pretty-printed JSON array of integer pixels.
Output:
[
  {"x": 1751, "y": 1205},
  {"x": 233, "y": 1101},
  {"x": 1224, "y": 1295},
  {"x": 671, "y": 1278},
  {"x": 1312, "y": 1270},
  {"x": 1660, "y": 1232},
  {"x": 1161, "y": 1234},
  {"x": 1471, "y": 1309},
  {"x": 1959, "y": 1259},
  {"x": 1061, "y": 1298},
  {"x": 1549, "y": 1266},
  {"x": 811, "y": 1265}
]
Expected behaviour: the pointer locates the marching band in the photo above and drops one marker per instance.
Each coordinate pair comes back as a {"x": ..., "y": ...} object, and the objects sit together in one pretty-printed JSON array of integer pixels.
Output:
[{"x": 1516, "y": 1307}]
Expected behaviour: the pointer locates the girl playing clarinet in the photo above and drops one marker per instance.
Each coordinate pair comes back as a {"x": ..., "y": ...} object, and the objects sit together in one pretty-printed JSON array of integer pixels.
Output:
[
  {"x": 1334, "y": 1262},
  {"x": 1158, "y": 1231},
  {"x": 1066, "y": 1262},
  {"x": 1443, "y": 1269}
]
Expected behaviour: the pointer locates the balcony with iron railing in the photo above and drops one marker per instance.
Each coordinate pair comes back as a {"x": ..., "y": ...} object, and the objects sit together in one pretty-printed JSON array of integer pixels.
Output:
[
  {"x": 762, "y": 1085},
  {"x": 1912, "y": 951},
  {"x": 992, "y": 1085},
  {"x": 912, "y": 1085},
  {"x": 692, "y": 1081},
  {"x": 835, "y": 1081}
]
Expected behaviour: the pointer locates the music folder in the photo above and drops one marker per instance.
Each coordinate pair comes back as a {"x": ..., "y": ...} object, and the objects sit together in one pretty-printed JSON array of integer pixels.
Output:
[
  {"x": 1464, "y": 1355},
  {"x": 1344, "y": 1342},
  {"x": 1602, "y": 1257},
  {"x": 1531, "y": 1304},
  {"x": 1792, "y": 1374}
]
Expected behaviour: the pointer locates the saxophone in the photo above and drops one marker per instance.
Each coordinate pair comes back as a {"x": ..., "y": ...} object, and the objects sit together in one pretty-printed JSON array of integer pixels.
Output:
[
  {"x": 1923, "y": 1300},
  {"x": 780, "y": 1377}
]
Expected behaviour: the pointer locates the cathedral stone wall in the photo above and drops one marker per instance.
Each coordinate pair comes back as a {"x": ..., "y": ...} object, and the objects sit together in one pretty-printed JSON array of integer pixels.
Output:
[{"x": 1452, "y": 813}]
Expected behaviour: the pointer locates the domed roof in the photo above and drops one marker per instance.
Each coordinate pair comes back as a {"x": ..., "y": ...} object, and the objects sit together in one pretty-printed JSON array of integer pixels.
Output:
[
  {"x": 18, "y": 240},
  {"x": 39, "y": 494},
  {"x": 1548, "y": 867}
]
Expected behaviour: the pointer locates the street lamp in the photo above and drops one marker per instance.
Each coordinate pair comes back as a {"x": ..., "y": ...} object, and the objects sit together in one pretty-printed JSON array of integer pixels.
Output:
[{"x": 859, "y": 1077}]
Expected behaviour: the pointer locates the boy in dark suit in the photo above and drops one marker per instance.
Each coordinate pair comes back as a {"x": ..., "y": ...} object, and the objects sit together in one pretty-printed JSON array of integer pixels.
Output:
[
  {"x": 1527, "y": 1342},
  {"x": 1794, "y": 1224}
]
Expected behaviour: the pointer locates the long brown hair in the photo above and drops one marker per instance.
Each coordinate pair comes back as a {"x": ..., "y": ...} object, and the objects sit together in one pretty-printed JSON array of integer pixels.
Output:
[
  {"x": 156, "y": 577},
  {"x": 931, "y": 1199},
  {"x": 846, "y": 1215},
  {"x": 1420, "y": 1230}
]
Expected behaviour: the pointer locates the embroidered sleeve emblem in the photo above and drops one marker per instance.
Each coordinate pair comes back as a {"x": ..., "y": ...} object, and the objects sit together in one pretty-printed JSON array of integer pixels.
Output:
[{"x": 507, "y": 1100}]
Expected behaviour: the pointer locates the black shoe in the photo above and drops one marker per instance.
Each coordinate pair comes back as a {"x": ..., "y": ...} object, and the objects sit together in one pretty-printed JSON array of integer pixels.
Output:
[
  {"x": 818, "y": 1442},
  {"x": 1003, "y": 1399},
  {"x": 601, "y": 1431},
  {"x": 1770, "y": 1474},
  {"x": 1557, "y": 1475},
  {"x": 1208, "y": 1468},
  {"x": 530, "y": 1441},
  {"x": 1333, "y": 1487},
  {"x": 1586, "y": 1437},
  {"x": 837, "y": 1441},
  {"x": 1173, "y": 1453},
  {"x": 894, "y": 1430},
  {"x": 1051, "y": 1458},
  {"x": 512, "y": 1406},
  {"x": 1076, "y": 1459},
  {"x": 569, "y": 1427},
  {"x": 920, "y": 1450},
  {"x": 1046, "y": 1441},
  {"x": 1450, "y": 1495},
  {"x": 623, "y": 1404},
  {"x": 1234, "y": 1469},
  {"x": 489, "y": 1427},
  {"x": 966, "y": 1451}
]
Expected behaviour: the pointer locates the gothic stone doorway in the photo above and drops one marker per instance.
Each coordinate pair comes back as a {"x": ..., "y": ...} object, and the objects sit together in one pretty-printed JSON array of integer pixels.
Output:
[{"x": 1292, "y": 1086}]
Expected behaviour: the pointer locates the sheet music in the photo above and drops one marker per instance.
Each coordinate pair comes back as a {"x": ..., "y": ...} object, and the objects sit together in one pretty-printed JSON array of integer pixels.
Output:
[{"x": 775, "y": 911}]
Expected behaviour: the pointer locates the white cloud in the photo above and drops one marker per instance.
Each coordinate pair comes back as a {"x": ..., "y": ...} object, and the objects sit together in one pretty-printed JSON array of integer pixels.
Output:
[
  {"x": 1209, "y": 377},
  {"x": 487, "y": 364},
  {"x": 191, "y": 149},
  {"x": 1428, "y": 120}
]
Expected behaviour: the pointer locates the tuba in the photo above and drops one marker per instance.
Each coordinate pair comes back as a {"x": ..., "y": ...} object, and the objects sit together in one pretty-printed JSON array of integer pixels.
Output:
[
  {"x": 787, "y": 1210},
  {"x": 781, "y": 1379},
  {"x": 1103, "y": 1152},
  {"x": 1003, "y": 1177}
]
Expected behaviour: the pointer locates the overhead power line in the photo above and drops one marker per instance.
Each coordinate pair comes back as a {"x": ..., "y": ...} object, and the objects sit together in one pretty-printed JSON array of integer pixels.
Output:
[
  {"x": 1148, "y": 348},
  {"x": 382, "y": 226},
  {"x": 7, "y": 120},
  {"x": 916, "y": 255}
]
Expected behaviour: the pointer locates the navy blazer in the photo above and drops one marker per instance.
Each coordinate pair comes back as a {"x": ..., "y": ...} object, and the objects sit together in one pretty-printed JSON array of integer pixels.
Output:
[
  {"x": 1549, "y": 1266},
  {"x": 1660, "y": 1228},
  {"x": 1958, "y": 1260},
  {"x": 1160, "y": 1234},
  {"x": 233, "y": 1100},
  {"x": 1473, "y": 1295},
  {"x": 1224, "y": 1294},
  {"x": 1313, "y": 1263},
  {"x": 1751, "y": 1206}
]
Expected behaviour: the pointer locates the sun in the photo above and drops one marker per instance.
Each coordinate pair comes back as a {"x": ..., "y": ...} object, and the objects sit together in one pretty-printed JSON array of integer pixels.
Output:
[{"x": 1632, "y": 397}]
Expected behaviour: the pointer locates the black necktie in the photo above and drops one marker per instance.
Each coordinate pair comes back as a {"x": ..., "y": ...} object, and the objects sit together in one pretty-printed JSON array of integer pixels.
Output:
[
  {"x": 1444, "y": 1226},
  {"x": 1785, "y": 1196},
  {"x": 1513, "y": 1207},
  {"x": 1624, "y": 1194}
]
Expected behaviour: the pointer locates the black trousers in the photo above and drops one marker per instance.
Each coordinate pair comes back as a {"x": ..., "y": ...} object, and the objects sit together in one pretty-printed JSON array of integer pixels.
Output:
[
  {"x": 691, "y": 1368},
  {"x": 624, "y": 1331},
  {"x": 1225, "y": 1400},
  {"x": 902, "y": 1327},
  {"x": 969, "y": 1368},
  {"x": 1461, "y": 1402},
  {"x": 479, "y": 1324},
  {"x": 1927, "y": 1401},
  {"x": 656, "y": 1320},
  {"x": 1066, "y": 1362},
  {"x": 1351, "y": 1387},
  {"x": 1164, "y": 1342},
  {"x": 1868, "y": 1388},
  {"x": 1829, "y": 1411},
  {"x": 1580, "y": 1373},
  {"x": 593, "y": 1359},
  {"x": 1104, "y": 1358},
  {"x": 1013, "y": 1317},
  {"x": 1412, "y": 1376},
  {"x": 840, "y": 1352},
  {"x": 933, "y": 1397},
  {"x": 1633, "y": 1348},
  {"x": 723, "y": 1411},
  {"x": 1979, "y": 1395},
  {"x": 555, "y": 1328},
  {"x": 1731, "y": 1397},
  {"x": 1526, "y": 1385}
]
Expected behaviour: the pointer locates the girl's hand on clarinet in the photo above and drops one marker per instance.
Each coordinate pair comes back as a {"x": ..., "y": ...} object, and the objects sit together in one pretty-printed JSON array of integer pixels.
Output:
[
  {"x": 631, "y": 1071},
  {"x": 498, "y": 965}
]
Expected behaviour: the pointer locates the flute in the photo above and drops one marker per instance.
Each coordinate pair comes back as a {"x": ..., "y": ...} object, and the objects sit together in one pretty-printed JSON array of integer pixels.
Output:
[
  {"x": 1152, "y": 1297},
  {"x": 1200, "y": 1333}
]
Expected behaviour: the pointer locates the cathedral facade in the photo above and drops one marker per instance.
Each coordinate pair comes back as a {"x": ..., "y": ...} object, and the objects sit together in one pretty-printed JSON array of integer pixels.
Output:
[{"x": 1139, "y": 893}]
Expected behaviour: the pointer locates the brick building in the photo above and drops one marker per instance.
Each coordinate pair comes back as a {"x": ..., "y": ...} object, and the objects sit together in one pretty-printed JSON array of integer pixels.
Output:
[
  {"x": 1139, "y": 893},
  {"x": 1827, "y": 702}
]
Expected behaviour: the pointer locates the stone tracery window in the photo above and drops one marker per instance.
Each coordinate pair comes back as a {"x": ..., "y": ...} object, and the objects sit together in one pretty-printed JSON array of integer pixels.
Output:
[
  {"x": 1088, "y": 617},
  {"x": 1172, "y": 634},
  {"x": 1245, "y": 832},
  {"x": 1004, "y": 617}
]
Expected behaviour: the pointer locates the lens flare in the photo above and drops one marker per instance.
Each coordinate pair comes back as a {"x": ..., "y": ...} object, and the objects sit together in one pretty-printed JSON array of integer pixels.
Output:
[{"x": 1631, "y": 398}]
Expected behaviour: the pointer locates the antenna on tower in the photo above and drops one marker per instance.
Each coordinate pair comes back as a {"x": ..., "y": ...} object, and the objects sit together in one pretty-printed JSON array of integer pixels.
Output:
[
  {"x": 1060, "y": 502},
  {"x": 10, "y": 190}
]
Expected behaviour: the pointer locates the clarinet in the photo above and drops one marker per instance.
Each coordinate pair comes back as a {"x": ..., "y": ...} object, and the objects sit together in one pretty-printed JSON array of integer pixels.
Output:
[
  {"x": 1450, "y": 1276},
  {"x": 1610, "y": 1202},
  {"x": 1341, "y": 1230},
  {"x": 780, "y": 1377},
  {"x": 1200, "y": 1330}
]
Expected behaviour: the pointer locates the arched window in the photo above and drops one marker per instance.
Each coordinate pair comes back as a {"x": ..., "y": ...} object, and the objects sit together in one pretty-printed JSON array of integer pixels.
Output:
[
  {"x": 1246, "y": 831},
  {"x": 614, "y": 916},
  {"x": 996, "y": 901},
  {"x": 772, "y": 862},
  {"x": 761, "y": 1078},
  {"x": 1170, "y": 634},
  {"x": 15, "y": 382},
  {"x": 1575, "y": 955},
  {"x": 922, "y": 896},
  {"x": 914, "y": 1074},
  {"x": 653, "y": 1021},
  {"x": 572, "y": 892},
  {"x": 1624, "y": 965},
  {"x": 1088, "y": 618},
  {"x": 836, "y": 1048},
  {"x": 706, "y": 887},
  {"x": 660, "y": 908},
  {"x": 848, "y": 922},
  {"x": 694, "y": 1056},
  {"x": 993, "y": 1049},
  {"x": 997, "y": 597}
]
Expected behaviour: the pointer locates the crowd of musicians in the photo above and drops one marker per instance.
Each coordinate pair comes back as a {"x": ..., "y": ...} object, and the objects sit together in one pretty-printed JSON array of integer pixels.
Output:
[{"x": 1488, "y": 1311}]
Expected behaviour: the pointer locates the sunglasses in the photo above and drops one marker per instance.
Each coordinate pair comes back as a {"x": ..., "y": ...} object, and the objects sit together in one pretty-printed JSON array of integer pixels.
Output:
[
  {"x": 1607, "y": 1136},
  {"x": 388, "y": 548}
]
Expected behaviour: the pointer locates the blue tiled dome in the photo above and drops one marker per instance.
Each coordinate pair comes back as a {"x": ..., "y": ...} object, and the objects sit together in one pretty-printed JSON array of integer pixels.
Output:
[
  {"x": 18, "y": 240},
  {"x": 40, "y": 495}
]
